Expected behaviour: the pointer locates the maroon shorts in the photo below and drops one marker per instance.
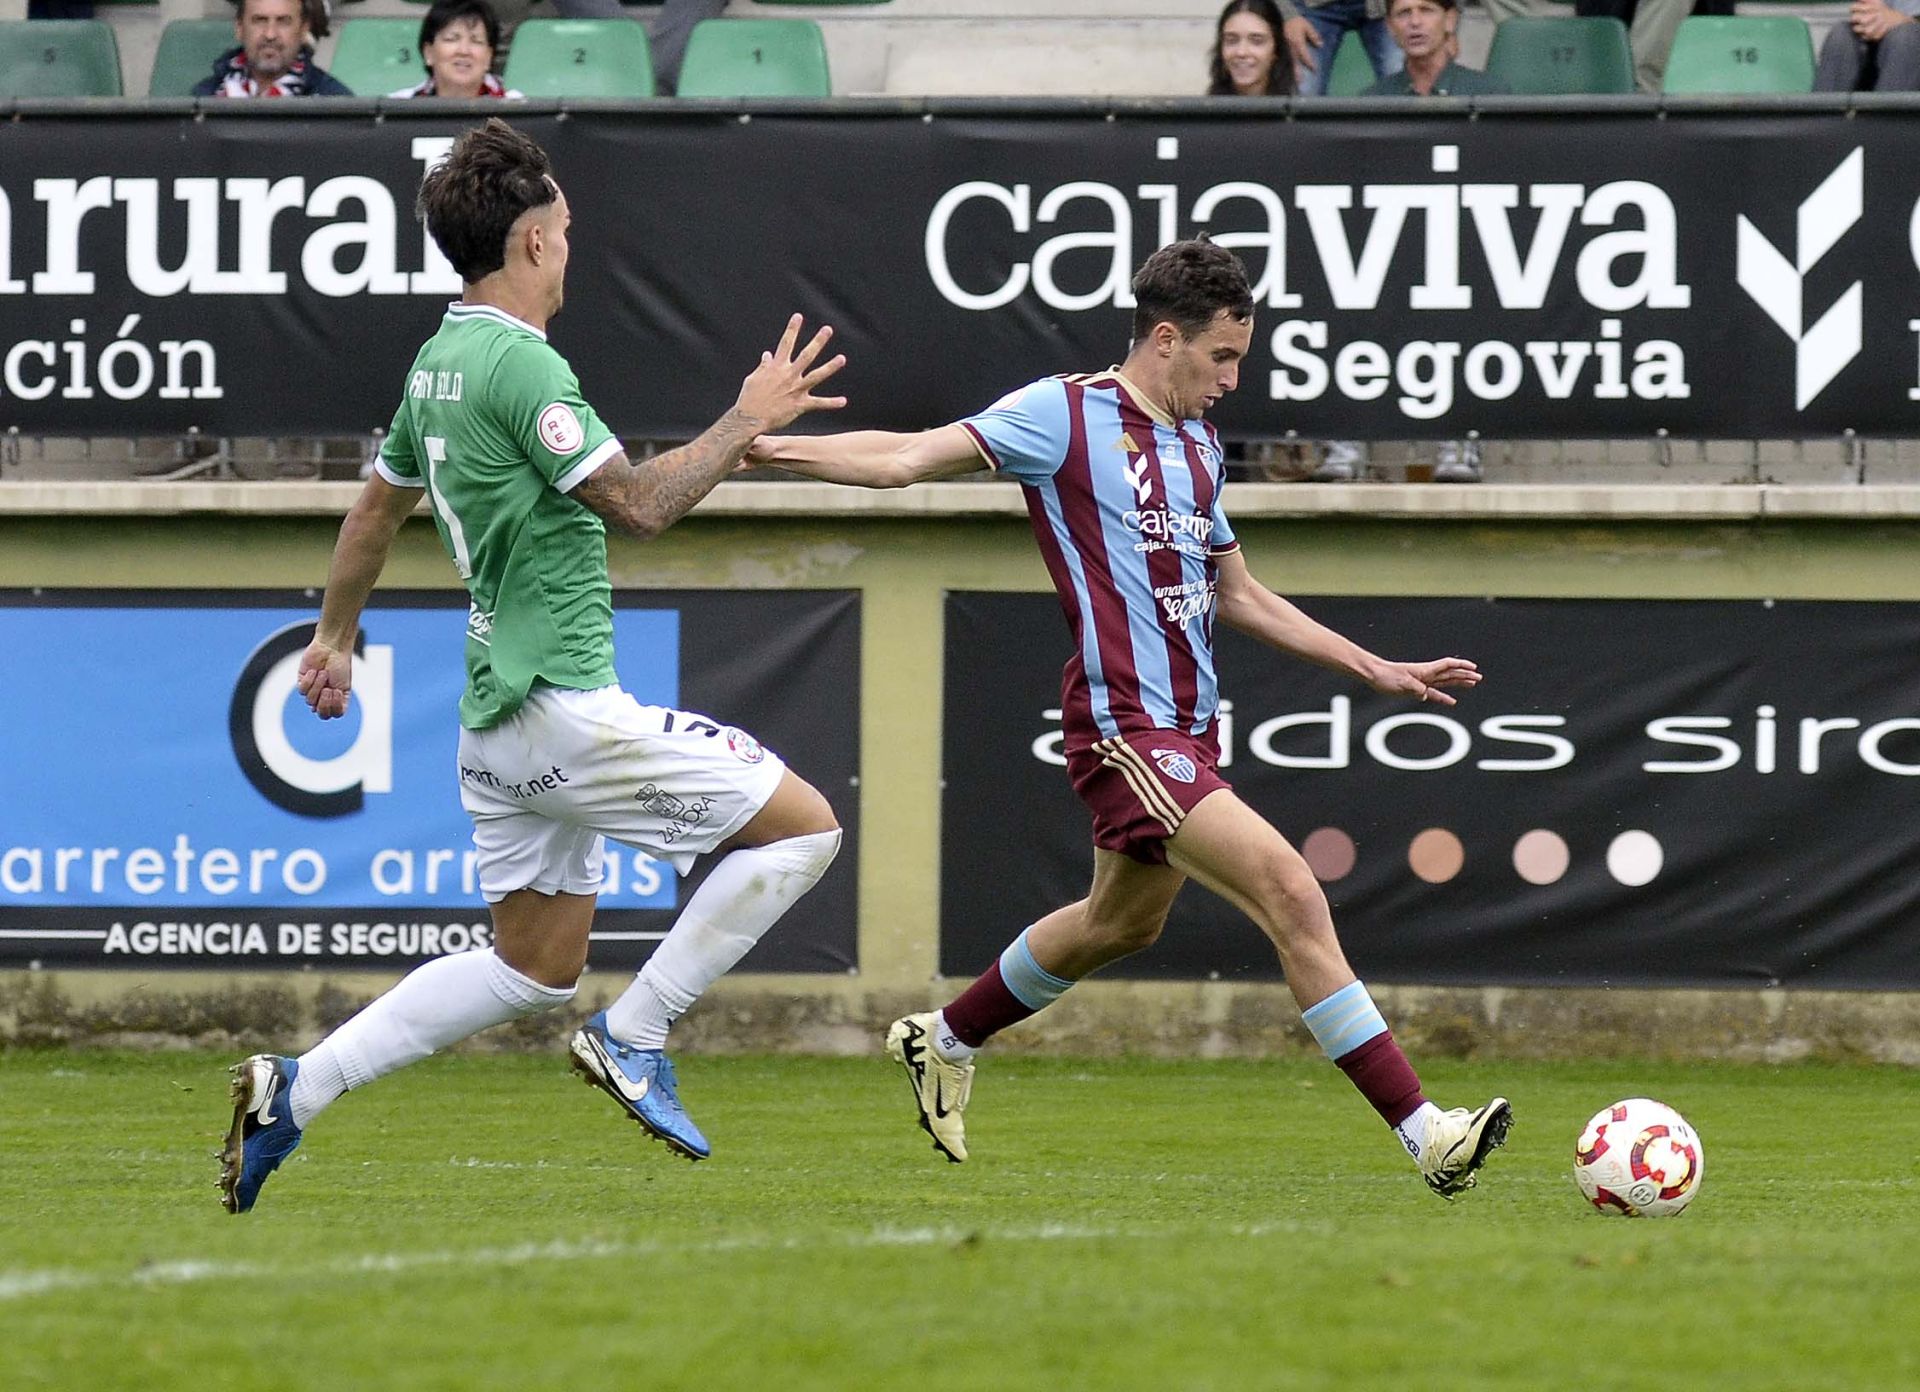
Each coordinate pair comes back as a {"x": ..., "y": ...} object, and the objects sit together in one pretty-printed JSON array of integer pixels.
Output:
[{"x": 1141, "y": 786}]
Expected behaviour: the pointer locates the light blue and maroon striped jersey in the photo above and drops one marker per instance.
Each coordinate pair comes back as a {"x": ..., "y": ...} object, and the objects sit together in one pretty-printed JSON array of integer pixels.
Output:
[{"x": 1125, "y": 503}]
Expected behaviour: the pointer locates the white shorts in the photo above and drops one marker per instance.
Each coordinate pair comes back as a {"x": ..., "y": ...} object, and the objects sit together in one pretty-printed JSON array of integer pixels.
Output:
[{"x": 570, "y": 767}]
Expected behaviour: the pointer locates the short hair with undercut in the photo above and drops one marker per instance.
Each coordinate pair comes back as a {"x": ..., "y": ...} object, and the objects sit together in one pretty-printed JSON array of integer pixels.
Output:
[
  {"x": 471, "y": 200},
  {"x": 1187, "y": 284}
]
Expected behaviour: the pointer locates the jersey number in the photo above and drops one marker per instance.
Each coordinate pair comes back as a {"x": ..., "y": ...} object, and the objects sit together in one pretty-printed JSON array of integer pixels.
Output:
[{"x": 456, "y": 535}]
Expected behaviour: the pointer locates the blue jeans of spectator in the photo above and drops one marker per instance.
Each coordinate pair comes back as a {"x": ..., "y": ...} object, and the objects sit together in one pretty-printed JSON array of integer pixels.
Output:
[{"x": 1331, "y": 22}]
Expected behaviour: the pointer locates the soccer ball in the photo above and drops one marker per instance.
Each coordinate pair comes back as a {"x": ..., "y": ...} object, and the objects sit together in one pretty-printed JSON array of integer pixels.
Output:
[{"x": 1640, "y": 1158}]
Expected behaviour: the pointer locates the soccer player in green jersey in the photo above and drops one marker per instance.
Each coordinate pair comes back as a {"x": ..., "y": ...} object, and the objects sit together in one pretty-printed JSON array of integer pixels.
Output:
[{"x": 523, "y": 478}]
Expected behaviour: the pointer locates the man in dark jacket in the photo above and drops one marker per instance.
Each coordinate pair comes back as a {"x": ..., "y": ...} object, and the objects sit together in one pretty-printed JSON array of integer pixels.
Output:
[
  {"x": 274, "y": 57},
  {"x": 1426, "y": 32}
]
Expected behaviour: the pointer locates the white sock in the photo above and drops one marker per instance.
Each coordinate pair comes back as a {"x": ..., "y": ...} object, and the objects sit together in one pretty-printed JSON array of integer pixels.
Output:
[
  {"x": 1413, "y": 1132},
  {"x": 436, "y": 1004},
  {"x": 949, "y": 1045},
  {"x": 745, "y": 895}
]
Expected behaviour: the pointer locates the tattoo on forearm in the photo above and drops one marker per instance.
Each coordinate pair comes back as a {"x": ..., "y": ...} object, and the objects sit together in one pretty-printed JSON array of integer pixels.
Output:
[{"x": 649, "y": 497}]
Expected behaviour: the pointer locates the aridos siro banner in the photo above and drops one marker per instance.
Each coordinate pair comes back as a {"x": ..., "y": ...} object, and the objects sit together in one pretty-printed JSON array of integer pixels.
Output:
[
  {"x": 171, "y": 801},
  {"x": 1640, "y": 793},
  {"x": 1578, "y": 272}
]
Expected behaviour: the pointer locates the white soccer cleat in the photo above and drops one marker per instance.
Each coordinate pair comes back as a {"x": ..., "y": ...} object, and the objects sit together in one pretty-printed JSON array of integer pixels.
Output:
[
  {"x": 940, "y": 1087},
  {"x": 1460, "y": 1142}
]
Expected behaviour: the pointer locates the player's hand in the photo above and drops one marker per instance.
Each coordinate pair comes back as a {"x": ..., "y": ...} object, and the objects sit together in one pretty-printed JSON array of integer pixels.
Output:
[
  {"x": 326, "y": 676},
  {"x": 780, "y": 390},
  {"x": 1424, "y": 681},
  {"x": 1302, "y": 38}
]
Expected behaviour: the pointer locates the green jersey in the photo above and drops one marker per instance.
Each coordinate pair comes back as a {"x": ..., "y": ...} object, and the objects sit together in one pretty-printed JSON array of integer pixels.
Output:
[{"x": 494, "y": 428}]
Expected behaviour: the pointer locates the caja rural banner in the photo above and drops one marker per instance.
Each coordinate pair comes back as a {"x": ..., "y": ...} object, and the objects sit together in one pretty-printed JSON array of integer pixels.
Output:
[
  {"x": 169, "y": 801},
  {"x": 1534, "y": 273},
  {"x": 1643, "y": 793}
]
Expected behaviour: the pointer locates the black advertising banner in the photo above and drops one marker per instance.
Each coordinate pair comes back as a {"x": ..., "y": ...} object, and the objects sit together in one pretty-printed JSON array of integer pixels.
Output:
[
  {"x": 1640, "y": 793},
  {"x": 196, "y": 814},
  {"x": 1571, "y": 272}
]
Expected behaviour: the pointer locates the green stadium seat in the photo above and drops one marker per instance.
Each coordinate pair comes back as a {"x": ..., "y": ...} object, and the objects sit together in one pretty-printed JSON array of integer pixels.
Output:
[
  {"x": 186, "y": 53},
  {"x": 1741, "y": 53},
  {"x": 580, "y": 58},
  {"x": 756, "y": 58},
  {"x": 59, "y": 58},
  {"x": 1562, "y": 57},
  {"x": 1352, "y": 71},
  {"x": 375, "y": 56}
]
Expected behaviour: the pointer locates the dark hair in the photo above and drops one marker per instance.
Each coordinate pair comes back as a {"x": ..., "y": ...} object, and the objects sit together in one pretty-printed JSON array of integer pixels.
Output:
[
  {"x": 1187, "y": 284},
  {"x": 1280, "y": 79},
  {"x": 471, "y": 200},
  {"x": 445, "y": 12}
]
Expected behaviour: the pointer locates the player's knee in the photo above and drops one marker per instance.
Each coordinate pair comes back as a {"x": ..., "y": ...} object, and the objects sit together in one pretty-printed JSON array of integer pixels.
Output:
[
  {"x": 1291, "y": 896},
  {"x": 1132, "y": 932}
]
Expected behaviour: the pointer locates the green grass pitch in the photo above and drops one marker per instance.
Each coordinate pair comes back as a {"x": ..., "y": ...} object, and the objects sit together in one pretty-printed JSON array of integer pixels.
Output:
[{"x": 483, "y": 1221}]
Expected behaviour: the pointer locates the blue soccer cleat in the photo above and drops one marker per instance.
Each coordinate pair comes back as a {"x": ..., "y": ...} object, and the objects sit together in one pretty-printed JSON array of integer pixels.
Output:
[
  {"x": 263, "y": 1133},
  {"x": 640, "y": 1080}
]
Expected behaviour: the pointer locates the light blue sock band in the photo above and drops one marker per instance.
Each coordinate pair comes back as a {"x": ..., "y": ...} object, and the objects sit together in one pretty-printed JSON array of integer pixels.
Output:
[
  {"x": 1033, "y": 985},
  {"x": 1343, "y": 1021}
]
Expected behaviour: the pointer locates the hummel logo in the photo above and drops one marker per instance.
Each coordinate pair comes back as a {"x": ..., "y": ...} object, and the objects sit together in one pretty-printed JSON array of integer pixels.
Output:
[{"x": 1135, "y": 474}]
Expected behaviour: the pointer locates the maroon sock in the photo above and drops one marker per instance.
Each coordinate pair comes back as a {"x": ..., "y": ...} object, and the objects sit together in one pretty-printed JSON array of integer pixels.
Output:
[
  {"x": 985, "y": 1008},
  {"x": 1382, "y": 1074}
]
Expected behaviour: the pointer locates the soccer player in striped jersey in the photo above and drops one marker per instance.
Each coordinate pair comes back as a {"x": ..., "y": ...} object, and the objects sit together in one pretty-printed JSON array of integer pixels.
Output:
[
  {"x": 523, "y": 479},
  {"x": 1123, "y": 481}
]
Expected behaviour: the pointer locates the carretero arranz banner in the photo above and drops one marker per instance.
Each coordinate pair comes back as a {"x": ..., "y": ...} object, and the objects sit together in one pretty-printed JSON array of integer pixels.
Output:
[
  {"x": 1577, "y": 272},
  {"x": 191, "y": 812},
  {"x": 1640, "y": 793}
]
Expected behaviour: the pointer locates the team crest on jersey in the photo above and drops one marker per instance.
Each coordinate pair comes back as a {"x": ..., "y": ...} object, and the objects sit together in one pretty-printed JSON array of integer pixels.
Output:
[
  {"x": 1175, "y": 765},
  {"x": 744, "y": 746},
  {"x": 560, "y": 429}
]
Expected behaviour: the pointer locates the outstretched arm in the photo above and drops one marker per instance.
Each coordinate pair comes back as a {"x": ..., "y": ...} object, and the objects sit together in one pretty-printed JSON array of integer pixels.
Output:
[
  {"x": 645, "y": 498},
  {"x": 326, "y": 668},
  {"x": 1257, "y": 611},
  {"x": 873, "y": 458}
]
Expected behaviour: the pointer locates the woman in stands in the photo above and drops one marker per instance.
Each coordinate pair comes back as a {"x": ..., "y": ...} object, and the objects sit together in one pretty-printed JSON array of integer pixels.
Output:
[
  {"x": 1246, "y": 52},
  {"x": 457, "y": 43}
]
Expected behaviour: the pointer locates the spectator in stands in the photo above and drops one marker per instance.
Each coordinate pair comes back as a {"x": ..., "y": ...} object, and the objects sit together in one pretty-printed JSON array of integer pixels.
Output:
[
  {"x": 1427, "y": 33},
  {"x": 1313, "y": 37},
  {"x": 1877, "y": 49},
  {"x": 1246, "y": 59},
  {"x": 275, "y": 54},
  {"x": 457, "y": 43}
]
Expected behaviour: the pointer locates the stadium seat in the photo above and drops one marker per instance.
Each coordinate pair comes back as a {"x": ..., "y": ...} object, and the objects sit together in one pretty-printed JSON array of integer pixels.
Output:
[
  {"x": 1741, "y": 53},
  {"x": 756, "y": 58},
  {"x": 580, "y": 58},
  {"x": 1562, "y": 57},
  {"x": 59, "y": 58},
  {"x": 186, "y": 53},
  {"x": 1352, "y": 71},
  {"x": 377, "y": 56}
]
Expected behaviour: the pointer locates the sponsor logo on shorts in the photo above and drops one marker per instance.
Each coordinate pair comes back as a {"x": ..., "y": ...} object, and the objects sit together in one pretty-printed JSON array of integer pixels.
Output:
[
  {"x": 680, "y": 815},
  {"x": 744, "y": 746},
  {"x": 560, "y": 429},
  {"x": 1175, "y": 765},
  {"x": 547, "y": 782}
]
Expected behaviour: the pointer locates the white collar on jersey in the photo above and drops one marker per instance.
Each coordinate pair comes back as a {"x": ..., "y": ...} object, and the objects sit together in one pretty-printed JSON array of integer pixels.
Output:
[{"x": 460, "y": 309}]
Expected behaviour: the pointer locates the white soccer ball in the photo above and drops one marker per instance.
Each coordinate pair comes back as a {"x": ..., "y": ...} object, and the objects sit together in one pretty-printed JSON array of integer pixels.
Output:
[{"x": 1639, "y": 1158}]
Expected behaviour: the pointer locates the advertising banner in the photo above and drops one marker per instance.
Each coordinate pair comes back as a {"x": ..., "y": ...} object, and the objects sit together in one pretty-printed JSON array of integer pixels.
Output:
[
  {"x": 1640, "y": 793},
  {"x": 171, "y": 802},
  {"x": 1573, "y": 273}
]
